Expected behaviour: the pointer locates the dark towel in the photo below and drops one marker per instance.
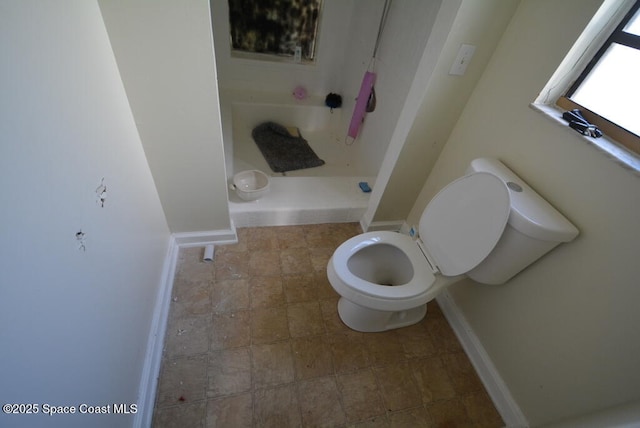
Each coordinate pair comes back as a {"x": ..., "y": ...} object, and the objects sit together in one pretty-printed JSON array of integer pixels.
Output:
[{"x": 282, "y": 151}]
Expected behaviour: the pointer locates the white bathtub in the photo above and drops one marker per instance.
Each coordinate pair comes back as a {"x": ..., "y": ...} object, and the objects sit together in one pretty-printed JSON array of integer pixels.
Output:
[
  {"x": 319, "y": 125},
  {"x": 329, "y": 193}
]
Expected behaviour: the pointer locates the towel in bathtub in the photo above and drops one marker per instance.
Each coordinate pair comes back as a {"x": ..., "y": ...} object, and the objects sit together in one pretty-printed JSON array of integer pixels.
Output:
[{"x": 284, "y": 148}]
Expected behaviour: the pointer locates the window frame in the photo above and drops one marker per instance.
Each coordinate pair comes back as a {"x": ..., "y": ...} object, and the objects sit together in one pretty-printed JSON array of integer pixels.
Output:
[{"x": 617, "y": 133}]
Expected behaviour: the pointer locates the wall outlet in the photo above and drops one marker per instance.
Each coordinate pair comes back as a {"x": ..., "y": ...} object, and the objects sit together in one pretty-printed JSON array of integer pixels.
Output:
[{"x": 462, "y": 60}]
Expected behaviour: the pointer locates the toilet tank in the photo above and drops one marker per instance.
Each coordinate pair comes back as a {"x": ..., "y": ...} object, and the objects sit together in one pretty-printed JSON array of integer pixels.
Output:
[{"x": 534, "y": 228}]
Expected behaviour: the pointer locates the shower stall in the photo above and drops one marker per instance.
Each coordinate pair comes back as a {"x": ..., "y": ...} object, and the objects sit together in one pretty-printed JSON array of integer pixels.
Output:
[{"x": 256, "y": 88}]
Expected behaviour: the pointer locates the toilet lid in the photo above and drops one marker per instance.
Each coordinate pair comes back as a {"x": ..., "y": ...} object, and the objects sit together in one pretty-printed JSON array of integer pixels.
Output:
[{"x": 464, "y": 221}]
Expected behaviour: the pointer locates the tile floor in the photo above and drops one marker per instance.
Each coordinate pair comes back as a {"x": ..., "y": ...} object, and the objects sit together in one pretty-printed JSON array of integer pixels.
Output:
[{"x": 254, "y": 340}]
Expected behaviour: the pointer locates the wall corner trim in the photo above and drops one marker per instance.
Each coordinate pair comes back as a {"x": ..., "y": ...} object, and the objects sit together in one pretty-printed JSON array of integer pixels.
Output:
[{"x": 495, "y": 386}]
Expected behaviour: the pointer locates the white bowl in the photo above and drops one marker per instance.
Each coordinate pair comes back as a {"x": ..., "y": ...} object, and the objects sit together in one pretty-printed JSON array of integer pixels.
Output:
[{"x": 250, "y": 185}]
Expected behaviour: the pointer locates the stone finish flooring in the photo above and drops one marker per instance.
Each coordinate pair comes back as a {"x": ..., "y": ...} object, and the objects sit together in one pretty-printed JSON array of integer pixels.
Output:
[{"x": 254, "y": 340}]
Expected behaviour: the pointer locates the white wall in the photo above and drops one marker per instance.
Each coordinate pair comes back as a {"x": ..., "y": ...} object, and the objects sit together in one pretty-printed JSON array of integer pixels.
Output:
[
  {"x": 164, "y": 50},
  {"x": 348, "y": 31},
  {"x": 563, "y": 333},
  {"x": 321, "y": 77},
  {"x": 443, "y": 97},
  {"x": 74, "y": 324},
  {"x": 405, "y": 35}
]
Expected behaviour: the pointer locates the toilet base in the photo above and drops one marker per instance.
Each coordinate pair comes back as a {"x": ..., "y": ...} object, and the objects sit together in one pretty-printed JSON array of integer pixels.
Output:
[{"x": 368, "y": 320}]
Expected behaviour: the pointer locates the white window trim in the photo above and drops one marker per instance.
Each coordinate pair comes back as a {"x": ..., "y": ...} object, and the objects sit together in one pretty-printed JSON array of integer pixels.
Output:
[{"x": 595, "y": 34}]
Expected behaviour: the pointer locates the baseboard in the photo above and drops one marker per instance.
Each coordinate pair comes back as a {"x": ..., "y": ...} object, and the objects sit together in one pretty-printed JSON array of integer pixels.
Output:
[
  {"x": 493, "y": 383},
  {"x": 207, "y": 237},
  {"x": 155, "y": 344},
  {"x": 395, "y": 226}
]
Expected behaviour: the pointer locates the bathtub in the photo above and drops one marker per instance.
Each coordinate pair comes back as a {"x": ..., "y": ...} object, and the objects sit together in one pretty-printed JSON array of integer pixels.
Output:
[{"x": 325, "y": 194}]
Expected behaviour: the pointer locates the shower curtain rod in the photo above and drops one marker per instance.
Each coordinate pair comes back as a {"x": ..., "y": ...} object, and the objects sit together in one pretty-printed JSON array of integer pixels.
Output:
[{"x": 383, "y": 21}]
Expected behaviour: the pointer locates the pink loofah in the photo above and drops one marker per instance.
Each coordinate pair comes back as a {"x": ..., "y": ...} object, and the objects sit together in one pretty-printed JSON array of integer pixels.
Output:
[{"x": 300, "y": 93}]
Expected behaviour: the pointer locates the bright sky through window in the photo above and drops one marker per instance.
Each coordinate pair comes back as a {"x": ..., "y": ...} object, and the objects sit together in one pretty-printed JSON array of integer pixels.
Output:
[{"x": 612, "y": 88}]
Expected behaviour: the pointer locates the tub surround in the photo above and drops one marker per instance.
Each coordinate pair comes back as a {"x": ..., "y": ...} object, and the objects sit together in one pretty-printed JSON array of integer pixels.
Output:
[{"x": 324, "y": 194}]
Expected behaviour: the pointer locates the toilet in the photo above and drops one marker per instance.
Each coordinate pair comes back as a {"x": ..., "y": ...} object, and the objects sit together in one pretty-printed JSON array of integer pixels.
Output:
[{"x": 487, "y": 225}]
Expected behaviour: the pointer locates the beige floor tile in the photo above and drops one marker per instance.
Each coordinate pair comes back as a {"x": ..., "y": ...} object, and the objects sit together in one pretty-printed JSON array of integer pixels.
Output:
[
  {"x": 291, "y": 237},
  {"x": 325, "y": 290},
  {"x": 186, "y": 415},
  {"x": 191, "y": 266},
  {"x": 227, "y": 412},
  {"x": 451, "y": 413},
  {"x": 433, "y": 380},
  {"x": 305, "y": 319},
  {"x": 191, "y": 298},
  {"x": 300, "y": 288},
  {"x": 481, "y": 410},
  {"x": 277, "y": 408},
  {"x": 349, "y": 352},
  {"x": 417, "y": 342},
  {"x": 374, "y": 422},
  {"x": 320, "y": 257},
  {"x": 261, "y": 239},
  {"x": 319, "y": 236},
  {"x": 384, "y": 348},
  {"x": 272, "y": 364},
  {"x": 230, "y": 295},
  {"x": 264, "y": 263},
  {"x": 230, "y": 330},
  {"x": 443, "y": 337},
  {"x": 398, "y": 387},
  {"x": 183, "y": 380},
  {"x": 269, "y": 325},
  {"x": 232, "y": 265},
  {"x": 229, "y": 372},
  {"x": 461, "y": 372},
  {"x": 188, "y": 336},
  {"x": 330, "y": 316},
  {"x": 267, "y": 292},
  {"x": 311, "y": 357},
  {"x": 360, "y": 395},
  {"x": 415, "y": 418},
  {"x": 295, "y": 261},
  {"x": 320, "y": 403}
]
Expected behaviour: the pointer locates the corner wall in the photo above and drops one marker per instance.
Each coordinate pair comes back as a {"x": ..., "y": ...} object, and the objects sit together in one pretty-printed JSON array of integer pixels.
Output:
[
  {"x": 562, "y": 333},
  {"x": 165, "y": 55},
  {"x": 74, "y": 323},
  {"x": 443, "y": 99}
]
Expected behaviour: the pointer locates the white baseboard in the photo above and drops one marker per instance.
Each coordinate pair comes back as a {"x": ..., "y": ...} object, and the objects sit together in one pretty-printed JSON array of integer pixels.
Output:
[
  {"x": 155, "y": 344},
  {"x": 207, "y": 237},
  {"x": 395, "y": 226},
  {"x": 493, "y": 383}
]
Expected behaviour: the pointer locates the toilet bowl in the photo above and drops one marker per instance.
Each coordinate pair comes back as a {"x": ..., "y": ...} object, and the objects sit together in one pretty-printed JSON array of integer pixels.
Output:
[
  {"x": 383, "y": 281},
  {"x": 487, "y": 225}
]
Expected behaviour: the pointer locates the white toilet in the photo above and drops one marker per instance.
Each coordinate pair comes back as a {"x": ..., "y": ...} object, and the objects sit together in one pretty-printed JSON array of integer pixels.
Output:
[{"x": 487, "y": 225}]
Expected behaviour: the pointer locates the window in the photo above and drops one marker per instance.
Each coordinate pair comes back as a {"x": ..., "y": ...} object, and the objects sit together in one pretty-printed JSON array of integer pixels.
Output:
[
  {"x": 279, "y": 28},
  {"x": 608, "y": 90}
]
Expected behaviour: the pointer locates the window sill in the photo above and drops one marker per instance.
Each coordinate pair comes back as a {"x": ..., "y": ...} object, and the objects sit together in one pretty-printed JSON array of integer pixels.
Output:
[
  {"x": 617, "y": 153},
  {"x": 272, "y": 58}
]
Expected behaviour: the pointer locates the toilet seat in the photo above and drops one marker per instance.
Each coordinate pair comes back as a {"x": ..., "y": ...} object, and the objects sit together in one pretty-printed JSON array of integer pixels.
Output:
[
  {"x": 463, "y": 223},
  {"x": 422, "y": 275}
]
